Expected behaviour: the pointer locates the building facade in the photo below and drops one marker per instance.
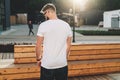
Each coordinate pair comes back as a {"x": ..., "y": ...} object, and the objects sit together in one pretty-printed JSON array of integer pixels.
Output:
[
  {"x": 112, "y": 19},
  {"x": 4, "y": 15}
]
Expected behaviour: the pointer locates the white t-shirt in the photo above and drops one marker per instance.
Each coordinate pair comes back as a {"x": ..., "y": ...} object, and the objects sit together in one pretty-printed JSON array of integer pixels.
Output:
[{"x": 55, "y": 33}]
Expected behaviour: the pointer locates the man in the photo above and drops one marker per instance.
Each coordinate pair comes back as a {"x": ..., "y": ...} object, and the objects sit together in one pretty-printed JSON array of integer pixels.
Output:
[
  {"x": 30, "y": 26},
  {"x": 55, "y": 35}
]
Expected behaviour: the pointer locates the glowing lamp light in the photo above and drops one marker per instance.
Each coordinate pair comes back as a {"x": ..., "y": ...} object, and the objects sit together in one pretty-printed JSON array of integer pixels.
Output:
[{"x": 82, "y": 3}]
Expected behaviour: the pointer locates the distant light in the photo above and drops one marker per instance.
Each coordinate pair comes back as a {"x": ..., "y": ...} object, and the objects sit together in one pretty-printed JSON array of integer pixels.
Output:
[{"x": 82, "y": 3}]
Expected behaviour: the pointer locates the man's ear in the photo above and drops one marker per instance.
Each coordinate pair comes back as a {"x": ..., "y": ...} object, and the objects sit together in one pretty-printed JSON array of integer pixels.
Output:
[{"x": 47, "y": 18}]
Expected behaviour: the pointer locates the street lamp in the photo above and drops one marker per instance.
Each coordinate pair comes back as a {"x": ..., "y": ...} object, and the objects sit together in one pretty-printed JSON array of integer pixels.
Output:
[
  {"x": 73, "y": 21},
  {"x": 82, "y": 4}
]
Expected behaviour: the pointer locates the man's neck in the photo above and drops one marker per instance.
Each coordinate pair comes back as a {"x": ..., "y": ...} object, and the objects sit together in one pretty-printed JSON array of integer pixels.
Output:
[{"x": 53, "y": 17}]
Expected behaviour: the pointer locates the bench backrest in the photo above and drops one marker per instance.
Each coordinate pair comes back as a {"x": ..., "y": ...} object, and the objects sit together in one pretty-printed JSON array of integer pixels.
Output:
[{"x": 26, "y": 53}]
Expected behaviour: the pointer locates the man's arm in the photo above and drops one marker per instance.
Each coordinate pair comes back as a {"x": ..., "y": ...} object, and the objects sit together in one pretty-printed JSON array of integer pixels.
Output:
[
  {"x": 39, "y": 48},
  {"x": 68, "y": 46}
]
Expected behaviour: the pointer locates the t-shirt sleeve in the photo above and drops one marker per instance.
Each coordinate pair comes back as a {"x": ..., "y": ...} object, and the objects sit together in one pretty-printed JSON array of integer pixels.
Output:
[{"x": 41, "y": 31}]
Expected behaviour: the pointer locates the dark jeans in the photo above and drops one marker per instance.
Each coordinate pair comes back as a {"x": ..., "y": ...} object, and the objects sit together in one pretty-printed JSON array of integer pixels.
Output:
[{"x": 54, "y": 74}]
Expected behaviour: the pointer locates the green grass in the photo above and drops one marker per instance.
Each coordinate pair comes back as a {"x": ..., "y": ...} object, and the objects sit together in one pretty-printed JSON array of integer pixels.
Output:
[{"x": 92, "y": 32}]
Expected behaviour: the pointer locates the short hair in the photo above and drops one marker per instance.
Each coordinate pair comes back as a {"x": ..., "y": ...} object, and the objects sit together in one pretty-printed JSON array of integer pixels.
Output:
[{"x": 48, "y": 6}]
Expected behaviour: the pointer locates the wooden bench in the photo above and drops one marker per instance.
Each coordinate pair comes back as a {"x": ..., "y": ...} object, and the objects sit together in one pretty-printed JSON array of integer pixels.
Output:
[{"x": 85, "y": 59}]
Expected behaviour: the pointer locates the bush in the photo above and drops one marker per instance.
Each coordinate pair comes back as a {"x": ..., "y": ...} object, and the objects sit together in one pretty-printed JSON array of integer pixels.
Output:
[
  {"x": 6, "y": 48},
  {"x": 85, "y": 32}
]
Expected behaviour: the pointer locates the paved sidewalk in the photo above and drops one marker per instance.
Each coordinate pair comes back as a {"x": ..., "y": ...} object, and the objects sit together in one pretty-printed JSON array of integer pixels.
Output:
[
  {"x": 19, "y": 34},
  {"x": 19, "y": 30}
]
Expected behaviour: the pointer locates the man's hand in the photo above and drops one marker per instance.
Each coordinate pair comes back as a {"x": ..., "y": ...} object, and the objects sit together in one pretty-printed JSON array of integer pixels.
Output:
[{"x": 39, "y": 63}]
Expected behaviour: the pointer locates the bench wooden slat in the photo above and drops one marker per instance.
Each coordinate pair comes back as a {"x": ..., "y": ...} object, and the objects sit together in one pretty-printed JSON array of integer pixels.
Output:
[
  {"x": 94, "y": 57},
  {"x": 20, "y": 76},
  {"x": 97, "y": 51},
  {"x": 25, "y": 60},
  {"x": 71, "y": 73},
  {"x": 24, "y": 55},
  {"x": 93, "y": 71},
  {"x": 20, "y": 70},
  {"x": 71, "y": 58},
  {"x": 31, "y": 67},
  {"x": 22, "y": 48},
  {"x": 78, "y": 52},
  {"x": 93, "y": 47},
  {"x": 95, "y": 65}
]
